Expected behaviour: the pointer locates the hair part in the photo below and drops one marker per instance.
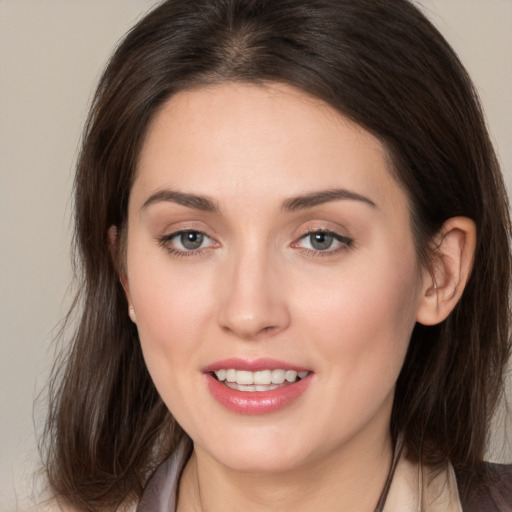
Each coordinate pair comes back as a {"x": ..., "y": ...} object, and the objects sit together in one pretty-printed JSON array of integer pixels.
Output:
[{"x": 383, "y": 65}]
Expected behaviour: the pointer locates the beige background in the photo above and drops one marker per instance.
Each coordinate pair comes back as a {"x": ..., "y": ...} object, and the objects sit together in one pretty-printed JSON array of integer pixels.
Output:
[{"x": 51, "y": 54}]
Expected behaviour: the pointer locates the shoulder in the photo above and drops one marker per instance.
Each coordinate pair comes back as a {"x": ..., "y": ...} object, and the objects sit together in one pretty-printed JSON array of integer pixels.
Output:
[{"x": 487, "y": 487}]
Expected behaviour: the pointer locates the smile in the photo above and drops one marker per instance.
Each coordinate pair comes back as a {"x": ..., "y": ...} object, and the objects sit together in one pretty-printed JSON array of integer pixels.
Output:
[
  {"x": 256, "y": 387},
  {"x": 263, "y": 380}
]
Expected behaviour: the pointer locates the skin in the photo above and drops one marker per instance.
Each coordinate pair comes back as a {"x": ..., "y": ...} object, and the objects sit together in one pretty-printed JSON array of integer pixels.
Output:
[{"x": 258, "y": 288}]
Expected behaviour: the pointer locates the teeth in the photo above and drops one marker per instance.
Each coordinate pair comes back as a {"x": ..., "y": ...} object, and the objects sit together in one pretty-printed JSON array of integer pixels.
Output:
[
  {"x": 290, "y": 375},
  {"x": 221, "y": 374},
  {"x": 263, "y": 377},
  {"x": 245, "y": 378},
  {"x": 278, "y": 376},
  {"x": 244, "y": 387}
]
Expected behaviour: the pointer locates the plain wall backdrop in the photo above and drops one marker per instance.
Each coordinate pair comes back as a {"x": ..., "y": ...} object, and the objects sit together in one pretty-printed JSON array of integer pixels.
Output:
[{"x": 51, "y": 55}]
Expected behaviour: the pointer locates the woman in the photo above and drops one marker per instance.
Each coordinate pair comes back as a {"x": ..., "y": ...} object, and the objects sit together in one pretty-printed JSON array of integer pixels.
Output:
[{"x": 294, "y": 240}]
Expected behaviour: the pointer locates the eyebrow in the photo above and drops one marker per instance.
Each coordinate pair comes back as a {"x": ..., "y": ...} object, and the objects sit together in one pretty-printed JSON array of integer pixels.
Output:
[
  {"x": 324, "y": 196},
  {"x": 290, "y": 205},
  {"x": 189, "y": 200}
]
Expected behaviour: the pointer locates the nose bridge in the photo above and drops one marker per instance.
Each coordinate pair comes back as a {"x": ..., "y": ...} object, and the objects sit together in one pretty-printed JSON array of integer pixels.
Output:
[{"x": 253, "y": 303}]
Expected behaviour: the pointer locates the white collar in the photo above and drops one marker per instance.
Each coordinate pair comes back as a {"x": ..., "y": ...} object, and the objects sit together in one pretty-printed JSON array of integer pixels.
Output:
[{"x": 416, "y": 489}]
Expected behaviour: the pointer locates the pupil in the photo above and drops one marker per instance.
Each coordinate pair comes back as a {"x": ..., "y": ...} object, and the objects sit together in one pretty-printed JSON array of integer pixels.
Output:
[
  {"x": 191, "y": 240},
  {"x": 321, "y": 241}
]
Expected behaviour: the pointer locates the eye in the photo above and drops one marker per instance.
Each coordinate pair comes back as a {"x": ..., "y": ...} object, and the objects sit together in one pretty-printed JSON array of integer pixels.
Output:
[
  {"x": 320, "y": 241},
  {"x": 186, "y": 241},
  {"x": 323, "y": 241},
  {"x": 190, "y": 240}
]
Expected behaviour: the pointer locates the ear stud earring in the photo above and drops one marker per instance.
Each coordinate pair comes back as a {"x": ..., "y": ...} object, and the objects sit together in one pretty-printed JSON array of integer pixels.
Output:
[{"x": 131, "y": 313}]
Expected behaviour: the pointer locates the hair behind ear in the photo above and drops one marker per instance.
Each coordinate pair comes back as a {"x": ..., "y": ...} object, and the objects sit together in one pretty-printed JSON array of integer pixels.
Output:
[{"x": 454, "y": 371}]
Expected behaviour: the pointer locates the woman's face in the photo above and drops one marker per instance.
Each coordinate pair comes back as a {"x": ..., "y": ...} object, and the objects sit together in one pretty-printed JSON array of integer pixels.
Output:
[{"x": 268, "y": 241}]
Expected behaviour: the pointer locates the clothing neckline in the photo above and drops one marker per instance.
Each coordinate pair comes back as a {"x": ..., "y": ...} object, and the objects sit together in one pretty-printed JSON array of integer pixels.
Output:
[{"x": 408, "y": 487}]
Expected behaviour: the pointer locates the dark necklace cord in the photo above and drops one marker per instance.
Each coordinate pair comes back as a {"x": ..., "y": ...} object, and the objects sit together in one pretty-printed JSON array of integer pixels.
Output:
[{"x": 389, "y": 479}]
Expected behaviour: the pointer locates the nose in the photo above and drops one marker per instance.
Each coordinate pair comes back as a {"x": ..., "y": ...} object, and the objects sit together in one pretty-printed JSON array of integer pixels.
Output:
[{"x": 252, "y": 302}]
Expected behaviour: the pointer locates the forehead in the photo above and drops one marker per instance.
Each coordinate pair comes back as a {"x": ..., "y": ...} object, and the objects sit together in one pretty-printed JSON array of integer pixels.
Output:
[{"x": 240, "y": 140}]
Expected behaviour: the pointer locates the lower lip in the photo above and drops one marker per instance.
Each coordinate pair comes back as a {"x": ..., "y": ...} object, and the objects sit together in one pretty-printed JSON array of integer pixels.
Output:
[{"x": 256, "y": 402}]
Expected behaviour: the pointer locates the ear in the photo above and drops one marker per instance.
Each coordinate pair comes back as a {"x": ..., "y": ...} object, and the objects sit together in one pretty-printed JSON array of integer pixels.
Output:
[
  {"x": 445, "y": 280},
  {"x": 113, "y": 243}
]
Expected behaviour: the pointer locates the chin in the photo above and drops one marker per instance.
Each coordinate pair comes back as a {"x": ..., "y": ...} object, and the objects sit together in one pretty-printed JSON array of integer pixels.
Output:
[
  {"x": 272, "y": 451},
  {"x": 258, "y": 461}
]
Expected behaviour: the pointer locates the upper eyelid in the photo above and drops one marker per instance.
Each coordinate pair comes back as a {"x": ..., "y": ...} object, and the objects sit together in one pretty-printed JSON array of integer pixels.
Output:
[
  {"x": 173, "y": 232},
  {"x": 170, "y": 236},
  {"x": 345, "y": 242},
  {"x": 334, "y": 234},
  {"x": 177, "y": 232},
  {"x": 308, "y": 230},
  {"x": 321, "y": 230}
]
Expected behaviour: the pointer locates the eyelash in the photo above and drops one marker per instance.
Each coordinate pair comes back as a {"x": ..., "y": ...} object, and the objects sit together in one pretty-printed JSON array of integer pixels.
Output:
[
  {"x": 345, "y": 243},
  {"x": 181, "y": 253}
]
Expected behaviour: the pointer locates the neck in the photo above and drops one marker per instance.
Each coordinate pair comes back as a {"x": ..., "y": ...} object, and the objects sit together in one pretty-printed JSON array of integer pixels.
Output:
[{"x": 350, "y": 478}]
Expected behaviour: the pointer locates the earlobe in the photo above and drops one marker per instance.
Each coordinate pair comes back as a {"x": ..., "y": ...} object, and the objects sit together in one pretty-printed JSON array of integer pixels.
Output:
[
  {"x": 113, "y": 240},
  {"x": 446, "y": 278}
]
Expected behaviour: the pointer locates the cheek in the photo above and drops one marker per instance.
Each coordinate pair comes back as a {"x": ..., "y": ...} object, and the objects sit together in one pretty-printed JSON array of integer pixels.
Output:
[
  {"x": 360, "y": 326},
  {"x": 170, "y": 323},
  {"x": 363, "y": 316},
  {"x": 171, "y": 309}
]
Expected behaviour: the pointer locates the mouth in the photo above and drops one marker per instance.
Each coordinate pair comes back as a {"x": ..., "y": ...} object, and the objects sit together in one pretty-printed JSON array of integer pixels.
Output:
[
  {"x": 256, "y": 387},
  {"x": 258, "y": 381}
]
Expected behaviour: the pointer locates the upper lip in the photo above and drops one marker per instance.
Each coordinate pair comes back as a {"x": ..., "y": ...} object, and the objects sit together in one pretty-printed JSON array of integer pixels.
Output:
[{"x": 252, "y": 365}]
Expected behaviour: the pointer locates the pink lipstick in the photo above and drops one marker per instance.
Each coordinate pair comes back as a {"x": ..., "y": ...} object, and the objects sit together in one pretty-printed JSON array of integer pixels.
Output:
[{"x": 259, "y": 386}]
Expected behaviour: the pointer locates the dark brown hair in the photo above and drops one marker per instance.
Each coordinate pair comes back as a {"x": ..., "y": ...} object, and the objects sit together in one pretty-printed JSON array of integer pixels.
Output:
[{"x": 382, "y": 64}]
